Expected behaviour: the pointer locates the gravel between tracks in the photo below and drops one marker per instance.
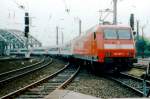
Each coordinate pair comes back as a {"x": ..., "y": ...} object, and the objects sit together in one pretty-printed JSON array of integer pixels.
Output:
[
  {"x": 90, "y": 84},
  {"x": 30, "y": 78}
]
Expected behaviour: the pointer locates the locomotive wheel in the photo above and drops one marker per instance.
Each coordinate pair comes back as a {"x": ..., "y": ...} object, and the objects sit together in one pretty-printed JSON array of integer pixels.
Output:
[
  {"x": 88, "y": 66},
  {"x": 92, "y": 67},
  {"x": 98, "y": 68}
]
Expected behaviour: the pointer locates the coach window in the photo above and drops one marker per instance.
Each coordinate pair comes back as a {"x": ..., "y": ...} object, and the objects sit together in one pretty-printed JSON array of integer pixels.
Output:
[
  {"x": 124, "y": 34},
  {"x": 110, "y": 34}
]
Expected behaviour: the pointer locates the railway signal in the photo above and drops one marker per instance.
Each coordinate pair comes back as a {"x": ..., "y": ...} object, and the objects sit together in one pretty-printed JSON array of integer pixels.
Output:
[
  {"x": 132, "y": 21},
  {"x": 26, "y": 30}
]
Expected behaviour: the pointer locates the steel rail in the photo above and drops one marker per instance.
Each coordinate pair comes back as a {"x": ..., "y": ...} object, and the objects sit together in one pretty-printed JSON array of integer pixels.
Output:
[
  {"x": 140, "y": 66},
  {"x": 64, "y": 85},
  {"x": 134, "y": 77},
  {"x": 42, "y": 81},
  {"x": 126, "y": 85},
  {"x": 13, "y": 74}
]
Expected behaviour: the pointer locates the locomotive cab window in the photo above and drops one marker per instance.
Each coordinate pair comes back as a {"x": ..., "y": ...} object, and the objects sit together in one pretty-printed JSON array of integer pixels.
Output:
[
  {"x": 117, "y": 34},
  {"x": 124, "y": 34},
  {"x": 110, "y": 34}
]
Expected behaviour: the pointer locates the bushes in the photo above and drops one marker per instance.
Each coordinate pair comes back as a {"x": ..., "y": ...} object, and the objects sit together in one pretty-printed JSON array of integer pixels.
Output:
[{"x": 143, "y": 46}]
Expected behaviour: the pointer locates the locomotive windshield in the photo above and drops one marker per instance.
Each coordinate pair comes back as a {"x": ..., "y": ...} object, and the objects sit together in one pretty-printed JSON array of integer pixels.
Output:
[
  {"x": 124, "y": 34},
  {"x": 110, "y": 34},
  {"x": 117, "y": 34}
]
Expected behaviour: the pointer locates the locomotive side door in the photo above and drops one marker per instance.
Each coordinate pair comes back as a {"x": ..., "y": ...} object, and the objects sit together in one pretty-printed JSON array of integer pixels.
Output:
[{"x": 93, "y": 46}]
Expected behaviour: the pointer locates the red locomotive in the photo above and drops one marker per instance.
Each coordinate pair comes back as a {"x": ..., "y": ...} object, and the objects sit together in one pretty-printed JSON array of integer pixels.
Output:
[{"x": 104, "y": 45}]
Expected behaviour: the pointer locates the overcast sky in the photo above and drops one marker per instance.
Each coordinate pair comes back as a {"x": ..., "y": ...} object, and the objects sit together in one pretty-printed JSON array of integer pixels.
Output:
[{"x": 47, "y": 14}]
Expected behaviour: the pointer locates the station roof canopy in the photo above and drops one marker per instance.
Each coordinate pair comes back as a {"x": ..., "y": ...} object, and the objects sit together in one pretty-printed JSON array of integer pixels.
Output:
[{"x": 16, "y": 39}]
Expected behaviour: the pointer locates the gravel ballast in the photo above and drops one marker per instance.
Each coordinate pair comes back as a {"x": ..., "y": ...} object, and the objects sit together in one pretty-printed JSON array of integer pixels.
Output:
[{"x": 101, "y": 87}]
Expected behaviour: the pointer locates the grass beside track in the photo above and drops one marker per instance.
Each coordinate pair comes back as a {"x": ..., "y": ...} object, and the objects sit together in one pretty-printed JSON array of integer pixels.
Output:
[
  {"x": 16, "y": 64},
  {"x": 136, "y": 72}
]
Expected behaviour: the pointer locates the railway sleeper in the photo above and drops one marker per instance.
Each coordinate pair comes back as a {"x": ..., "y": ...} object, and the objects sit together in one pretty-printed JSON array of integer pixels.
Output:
[
  {"x": 43, "y": 93},
  {"x": 67, "y": 73},
  {"x": 63, "y": 75},
  {"x": 37, "y": 93},
  {"x": 42, "y": 88},
  {"x": 51, "y": 84},
  {"x": 31, "y": 96},
  {"x": 58, "y": 80}
]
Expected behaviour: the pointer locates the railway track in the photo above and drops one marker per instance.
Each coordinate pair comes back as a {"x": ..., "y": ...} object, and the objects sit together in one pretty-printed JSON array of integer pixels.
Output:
[
  {"x": 142, "y": 63},
  {"x": 7, "y": 76},
  {"x": 5, "y": 59},
  {"x": 140, "y": 66},
  {"x": 134, "y": 83},
  {"x": 43, "y": 87},
  {"x": 90, "y": 84}
]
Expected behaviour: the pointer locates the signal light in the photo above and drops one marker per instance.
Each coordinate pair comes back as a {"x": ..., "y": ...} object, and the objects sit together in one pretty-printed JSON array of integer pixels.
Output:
[
  {"x": 26, "y": 35},
  {"x": 26, "y": 31},
  {"x": 26, "y": 18},
  {"x": 132, "y": 21},
  {"x": 26, "y": 21}
]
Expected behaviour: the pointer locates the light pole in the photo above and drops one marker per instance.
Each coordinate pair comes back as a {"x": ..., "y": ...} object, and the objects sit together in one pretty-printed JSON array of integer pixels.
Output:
[
  {"x": 137, "y": 29},
  {"x": 80, "y": 24},
  {"x": 59, "y": 29},
  {"x": 143, "y": 40},
  {"x": 62, "y": 35},
  {"x": 115, "y": 12},
  {"x": 57, "y": 35}
]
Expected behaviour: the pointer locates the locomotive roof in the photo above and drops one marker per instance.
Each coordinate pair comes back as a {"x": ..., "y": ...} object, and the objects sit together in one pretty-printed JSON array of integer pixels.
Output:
[
  {"x": 113, "y": 26},
  {"x": 100, "y": 27}
]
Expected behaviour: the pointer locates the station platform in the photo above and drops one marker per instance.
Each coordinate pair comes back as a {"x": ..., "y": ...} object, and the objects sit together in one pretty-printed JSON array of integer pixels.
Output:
[{"x": 66, "y": 94}]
